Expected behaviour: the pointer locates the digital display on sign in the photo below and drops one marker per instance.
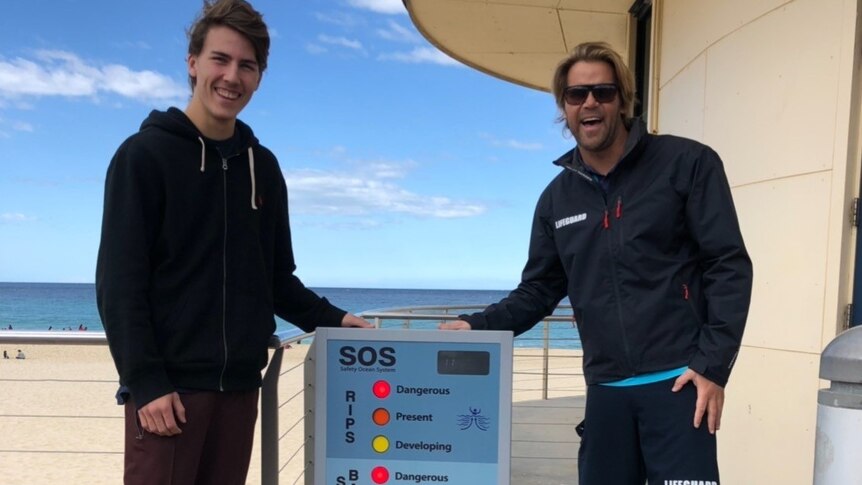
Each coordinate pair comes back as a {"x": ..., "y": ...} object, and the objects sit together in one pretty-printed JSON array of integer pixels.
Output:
[{"x": 463, "y": 362}]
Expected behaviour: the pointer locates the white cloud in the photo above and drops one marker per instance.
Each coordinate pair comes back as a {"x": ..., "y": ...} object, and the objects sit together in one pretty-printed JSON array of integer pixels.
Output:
[
  {"x": 14, "y": 125},
  {"x": 380, "y": 6},
  {"x": 510, "y": 143},
  {"x": 336, "y": 152},
  {"x": 369, "y": 191},
  {"x": 421, "y": 55},
  {"x": 340, "y": 41},
  {"x": 330, "y": 223},
  {"x": 22, "y": 126},
  {"x": 398, "y": 33},
  {"x": 140, "y": 84},
  {"x": 520, "y": 145},
  {"x": 341, "y": 19},
  {"x": 61, "y": 73},
  {"x": 15, "y": 217},
  {"x": 315, "y": 49},
  {"x": 141, "y": 45}
]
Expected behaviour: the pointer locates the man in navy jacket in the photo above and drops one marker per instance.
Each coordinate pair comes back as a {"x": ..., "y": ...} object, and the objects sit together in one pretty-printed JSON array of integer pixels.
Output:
[{"x": 640, "y": 232}]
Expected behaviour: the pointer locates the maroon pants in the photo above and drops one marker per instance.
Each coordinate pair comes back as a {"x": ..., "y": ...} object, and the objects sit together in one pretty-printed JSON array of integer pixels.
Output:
[{"x": 213, "y": 449}]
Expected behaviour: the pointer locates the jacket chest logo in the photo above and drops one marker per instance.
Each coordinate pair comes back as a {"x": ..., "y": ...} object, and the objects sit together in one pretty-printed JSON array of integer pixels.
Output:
[{"x": 570, "y": 220}]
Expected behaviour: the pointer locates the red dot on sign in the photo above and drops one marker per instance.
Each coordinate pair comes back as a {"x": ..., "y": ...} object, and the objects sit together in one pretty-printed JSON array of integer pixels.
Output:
[
  {"x": 380, "y": 475},
  {"x": 381, "y": 389}
]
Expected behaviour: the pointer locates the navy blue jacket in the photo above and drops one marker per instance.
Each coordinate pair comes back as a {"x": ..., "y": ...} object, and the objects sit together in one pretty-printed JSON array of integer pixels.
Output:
[
  {"x": 655, "y": 267},
  {"x": 194, "y": 260}
]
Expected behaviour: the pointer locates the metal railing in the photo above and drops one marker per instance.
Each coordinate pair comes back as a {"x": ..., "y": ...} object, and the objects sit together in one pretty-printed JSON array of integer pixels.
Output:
[
  {"x": 562, "y": 315},
  {"x": 278, "y": 442}
]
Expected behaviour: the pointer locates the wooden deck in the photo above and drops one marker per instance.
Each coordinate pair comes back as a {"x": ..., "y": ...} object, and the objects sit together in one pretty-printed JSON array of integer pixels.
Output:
[{"x": 544, "y": 442}]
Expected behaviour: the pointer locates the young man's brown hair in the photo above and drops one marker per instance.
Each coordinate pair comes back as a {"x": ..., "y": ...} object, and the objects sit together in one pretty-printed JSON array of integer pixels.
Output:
[{"x": 240, "y": 16}]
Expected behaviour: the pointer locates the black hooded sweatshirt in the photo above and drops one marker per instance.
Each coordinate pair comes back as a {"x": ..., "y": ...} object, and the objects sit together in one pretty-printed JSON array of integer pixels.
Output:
[{"x": 194, "y": 261}]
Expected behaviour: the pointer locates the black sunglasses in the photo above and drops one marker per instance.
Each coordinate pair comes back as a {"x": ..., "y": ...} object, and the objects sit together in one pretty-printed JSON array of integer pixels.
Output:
[{"x": 602, "y": 93}]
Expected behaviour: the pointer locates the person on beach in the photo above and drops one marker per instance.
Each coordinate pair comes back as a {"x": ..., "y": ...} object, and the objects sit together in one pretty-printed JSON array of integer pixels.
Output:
[
  {"x": 640, "y": 232},
  {"x": 20, "y": 355},
  {"x": 5, "y": 355},
  {"x": 195, "y": 259}
]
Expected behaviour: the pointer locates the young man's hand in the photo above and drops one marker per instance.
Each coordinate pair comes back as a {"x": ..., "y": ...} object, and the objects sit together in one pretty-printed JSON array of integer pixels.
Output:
[
  {"x": 351, "y": 320},
  {"x": 455, "y": 325},
  {"x": 710, "y": 399},
  {"x": 160, "y": 415}
]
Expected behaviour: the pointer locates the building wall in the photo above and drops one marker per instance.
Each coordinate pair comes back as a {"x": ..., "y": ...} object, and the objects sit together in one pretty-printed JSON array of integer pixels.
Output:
[{"x": 770, "y": 85}]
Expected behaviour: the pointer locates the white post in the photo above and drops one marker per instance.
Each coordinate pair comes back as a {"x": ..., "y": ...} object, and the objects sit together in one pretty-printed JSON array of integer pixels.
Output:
[{"x": 838, "y": 448}]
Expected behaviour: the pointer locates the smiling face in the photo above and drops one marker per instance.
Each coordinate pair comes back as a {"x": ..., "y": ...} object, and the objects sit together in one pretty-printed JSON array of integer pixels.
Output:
[
  {"x": 597, "y": 127},
  {"x": 226, "y": 76}
]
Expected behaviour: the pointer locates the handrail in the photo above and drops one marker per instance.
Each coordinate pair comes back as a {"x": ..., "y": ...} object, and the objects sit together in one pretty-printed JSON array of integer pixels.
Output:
[
  {"x": 269, "y": 391},
  {"x": 269, "y": 466},
  {"x": 441, "y": 316},
  {"x": 563, "y": 313},
  {"x": 269, "y": 438},
  {"x": 53, "y": 337},
  {"x": 446, "y": 308}
]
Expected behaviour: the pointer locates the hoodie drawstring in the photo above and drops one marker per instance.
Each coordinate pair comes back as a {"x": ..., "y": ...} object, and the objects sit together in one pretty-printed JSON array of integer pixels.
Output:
[
  {"x": 251, "y": 175},
  {"x": 250, "y": 170},
  {"x": 203, "y": 154}
]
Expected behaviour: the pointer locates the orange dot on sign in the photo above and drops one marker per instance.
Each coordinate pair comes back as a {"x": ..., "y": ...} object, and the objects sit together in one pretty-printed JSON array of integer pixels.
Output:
[
  {"x": 381, "y": 389},
  {"x": 380, "y": 417},
  {"x": 380, "y": 475}
]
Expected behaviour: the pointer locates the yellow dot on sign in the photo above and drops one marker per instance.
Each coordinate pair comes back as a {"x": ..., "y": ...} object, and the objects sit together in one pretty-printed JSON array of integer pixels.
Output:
[{"x": 380, "y": 444}]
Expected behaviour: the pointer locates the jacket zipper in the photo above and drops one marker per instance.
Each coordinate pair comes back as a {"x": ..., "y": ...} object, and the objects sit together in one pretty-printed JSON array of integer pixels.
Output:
[
  {"x": 613, "y": 263},
  {"x": 606, "y": 225},
  {"x": 224, "y": 277}
]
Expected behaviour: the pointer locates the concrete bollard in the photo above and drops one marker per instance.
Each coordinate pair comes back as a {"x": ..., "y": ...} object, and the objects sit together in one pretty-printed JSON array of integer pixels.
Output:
[{"x": 838, "y": 443}]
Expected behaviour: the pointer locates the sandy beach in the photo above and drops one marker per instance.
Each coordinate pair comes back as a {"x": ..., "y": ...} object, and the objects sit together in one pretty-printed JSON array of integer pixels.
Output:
[
  {"x": 59, "y": 420},
  {"x": 60, "y": 424}
]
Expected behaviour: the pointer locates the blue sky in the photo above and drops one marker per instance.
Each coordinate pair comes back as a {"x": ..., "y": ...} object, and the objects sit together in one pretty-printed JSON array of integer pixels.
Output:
[{"x": 405, "y": 169}]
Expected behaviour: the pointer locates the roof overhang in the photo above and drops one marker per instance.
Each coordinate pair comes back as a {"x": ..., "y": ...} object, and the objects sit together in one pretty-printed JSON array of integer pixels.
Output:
[{"x": 520, "y": 41}]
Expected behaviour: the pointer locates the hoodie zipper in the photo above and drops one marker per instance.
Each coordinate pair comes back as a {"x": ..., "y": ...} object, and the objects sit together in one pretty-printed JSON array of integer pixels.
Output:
[{"x": 224, "y": 276}]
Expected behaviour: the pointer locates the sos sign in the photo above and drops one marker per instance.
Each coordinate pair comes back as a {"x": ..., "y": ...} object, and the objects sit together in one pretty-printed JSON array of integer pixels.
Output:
[{"x": 366, "y": 356}]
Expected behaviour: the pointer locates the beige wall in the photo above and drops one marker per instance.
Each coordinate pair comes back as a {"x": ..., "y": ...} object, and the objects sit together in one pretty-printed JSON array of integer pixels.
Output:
[{"x": 769, "y": 85}]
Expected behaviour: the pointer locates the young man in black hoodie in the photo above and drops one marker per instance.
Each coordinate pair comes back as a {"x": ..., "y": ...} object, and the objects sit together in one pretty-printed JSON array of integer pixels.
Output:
[
  {"x": 195, "y": 259},
  {"x": 640, "y": 232}
]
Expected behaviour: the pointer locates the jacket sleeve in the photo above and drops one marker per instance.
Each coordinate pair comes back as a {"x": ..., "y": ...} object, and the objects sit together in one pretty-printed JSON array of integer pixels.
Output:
[
  {"x": 543, "y": 283},
  {"x": 291, "y": 299},
  {"x": 727, "y": 271},
  {"x": 130, "y": 221}
]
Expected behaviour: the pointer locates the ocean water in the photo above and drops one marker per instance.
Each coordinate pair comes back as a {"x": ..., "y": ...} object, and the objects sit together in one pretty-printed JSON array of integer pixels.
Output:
[{"x": 59, "y": 306}]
